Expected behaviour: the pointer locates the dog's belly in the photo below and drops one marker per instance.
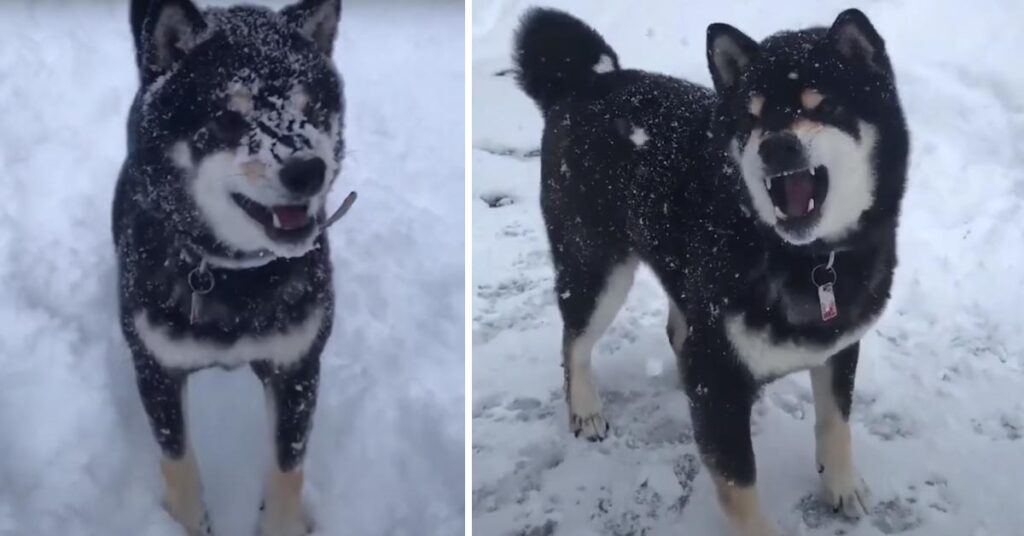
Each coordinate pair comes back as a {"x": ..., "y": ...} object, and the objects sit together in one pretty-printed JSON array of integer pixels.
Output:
[
  {"x": 767, "y": 358},
  {"x": 187, "y": 352}
]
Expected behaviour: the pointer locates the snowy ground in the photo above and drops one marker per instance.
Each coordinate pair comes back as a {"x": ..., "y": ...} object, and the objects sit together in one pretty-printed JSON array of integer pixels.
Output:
[
  {"x": 386, "y": 454},
  {"x": 938, "y": 416}
]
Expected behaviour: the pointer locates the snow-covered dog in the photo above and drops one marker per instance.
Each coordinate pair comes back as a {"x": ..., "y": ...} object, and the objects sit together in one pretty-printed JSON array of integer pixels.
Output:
[
  {"x": 767, "y": 208},
  {"x": 234, "y": 139}
]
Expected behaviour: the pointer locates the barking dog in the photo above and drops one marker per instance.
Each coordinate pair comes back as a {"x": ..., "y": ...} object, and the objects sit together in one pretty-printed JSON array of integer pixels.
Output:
[
  {"x": 767, "y": 208},
  {"x": 234, "y": 140}
]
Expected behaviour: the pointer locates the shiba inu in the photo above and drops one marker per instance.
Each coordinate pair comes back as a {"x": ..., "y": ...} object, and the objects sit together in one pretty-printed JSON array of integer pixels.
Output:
[
  {"x": 767, "y": 207},
  {"x": 234, "y": 139}
]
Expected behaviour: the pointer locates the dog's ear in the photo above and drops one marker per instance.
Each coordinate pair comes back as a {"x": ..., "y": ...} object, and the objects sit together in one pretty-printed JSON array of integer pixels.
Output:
[
  {"x": 856, "y": 42},
  {"x": 730, "y": 52},
  {"x": 317, "y": 20},
  {"x": 171, "y": 29}
]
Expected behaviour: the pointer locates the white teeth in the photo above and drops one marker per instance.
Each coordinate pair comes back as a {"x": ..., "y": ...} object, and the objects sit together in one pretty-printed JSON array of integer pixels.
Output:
[
  {"x": 779, "y": 214},
  {"x": 785, "y": 173},
  {"x": 810, "y": 204},
  {"x": 277, "y": 221},
  {"x": 812, "y": 171}
]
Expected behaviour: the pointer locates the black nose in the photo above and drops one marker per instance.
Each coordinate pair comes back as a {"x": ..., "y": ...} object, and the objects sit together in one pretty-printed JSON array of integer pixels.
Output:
[
  {"x": 304, "y": 177},
  {"x": 781, "y": 152}
]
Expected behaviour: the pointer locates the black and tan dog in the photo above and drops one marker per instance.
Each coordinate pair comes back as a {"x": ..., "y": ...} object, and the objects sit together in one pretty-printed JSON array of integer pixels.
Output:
[
  {"x": 234, "y": 139},
  {"x": 767, "y": 208}
]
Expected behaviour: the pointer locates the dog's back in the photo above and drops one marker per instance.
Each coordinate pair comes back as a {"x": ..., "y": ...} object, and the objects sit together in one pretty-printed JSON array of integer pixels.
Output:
[{"x": 624, "y": 152}]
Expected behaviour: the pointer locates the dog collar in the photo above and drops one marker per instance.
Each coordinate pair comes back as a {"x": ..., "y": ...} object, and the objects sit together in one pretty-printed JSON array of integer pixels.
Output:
[{"x": 201, "y": 281}]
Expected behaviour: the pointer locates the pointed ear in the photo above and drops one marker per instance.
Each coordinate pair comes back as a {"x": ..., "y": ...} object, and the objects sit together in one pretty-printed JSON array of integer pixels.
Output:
[
  {"x": 856, "y": 42},
  {"x": 730, "y": 52},
  {"x": 317, "y": 20},
  {"x": 171, "y": 29}
]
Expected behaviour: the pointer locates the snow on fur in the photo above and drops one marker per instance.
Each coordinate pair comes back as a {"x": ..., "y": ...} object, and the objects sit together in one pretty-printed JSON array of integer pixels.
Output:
[
  {"x": 938, "y": 415},
  {"x": 386, "y": 451}
]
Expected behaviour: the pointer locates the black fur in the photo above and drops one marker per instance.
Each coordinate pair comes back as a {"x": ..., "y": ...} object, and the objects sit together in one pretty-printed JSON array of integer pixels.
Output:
[
  {"x": 160, "y": 236},
  {"x": 679, "y": 203},
  {"x": 551, "y": 67}
]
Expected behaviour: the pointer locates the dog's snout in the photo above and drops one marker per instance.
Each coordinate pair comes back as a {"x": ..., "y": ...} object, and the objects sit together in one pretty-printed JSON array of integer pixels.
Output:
[
  {"x": 781, "y": 152},
  {"x": 304, "y": 177}
]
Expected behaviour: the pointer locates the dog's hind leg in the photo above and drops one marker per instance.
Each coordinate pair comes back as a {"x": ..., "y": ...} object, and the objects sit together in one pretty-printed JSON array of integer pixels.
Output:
[
  {"x": 291, "y": 400},
  {"x": 163, "y": 395},
  {"x": 588, "y": 297},
  {"x": 832, "y": 384}
]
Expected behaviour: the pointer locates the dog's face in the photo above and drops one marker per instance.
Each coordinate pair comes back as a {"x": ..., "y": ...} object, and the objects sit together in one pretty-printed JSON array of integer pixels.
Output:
[
  {"x": 803, "y": 112},
  {"x": 246, "y": 105}
]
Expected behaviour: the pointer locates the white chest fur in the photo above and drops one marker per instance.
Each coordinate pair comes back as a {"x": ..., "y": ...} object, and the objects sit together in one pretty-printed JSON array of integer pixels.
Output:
[
  {"x": 188, "y": 352},
  {"x": 767, "y": 358}
]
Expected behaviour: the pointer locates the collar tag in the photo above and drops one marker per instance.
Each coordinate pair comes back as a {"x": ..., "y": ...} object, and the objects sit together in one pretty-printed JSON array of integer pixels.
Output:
[
  {"x": 824, "y": 277},
  {"x": 201, "y": 281}
]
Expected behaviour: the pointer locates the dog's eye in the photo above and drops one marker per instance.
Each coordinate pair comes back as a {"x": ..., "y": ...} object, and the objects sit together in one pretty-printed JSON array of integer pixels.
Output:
[{"x": 229, "y": 126}]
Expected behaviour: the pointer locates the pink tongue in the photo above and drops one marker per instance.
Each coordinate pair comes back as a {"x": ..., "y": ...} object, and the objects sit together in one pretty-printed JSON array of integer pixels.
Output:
[
  {"x": 292, "y": 217},
  {"x": 799, "y": 189}
]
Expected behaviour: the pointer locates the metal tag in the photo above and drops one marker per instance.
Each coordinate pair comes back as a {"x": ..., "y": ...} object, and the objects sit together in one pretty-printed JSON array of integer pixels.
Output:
[
  {"x": 193, "y": 315},
  {"x": 827, "y": 300},
  {"x": 201, "y": 281}
]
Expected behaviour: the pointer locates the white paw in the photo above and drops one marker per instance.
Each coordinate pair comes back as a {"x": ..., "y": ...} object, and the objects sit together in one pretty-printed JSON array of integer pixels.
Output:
[
  {"x": 762, "y": 528},
  {"x": 585, "y": 412},
  {"x": 846, "y": 492},
  {"x": 755, "y": 525},
  {"x": 285, "y": 522}
]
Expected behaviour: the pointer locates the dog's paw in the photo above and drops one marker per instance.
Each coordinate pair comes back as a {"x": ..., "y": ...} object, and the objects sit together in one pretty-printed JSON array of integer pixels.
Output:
[
  {"x": 198, "y": 525},
  {"x": 757, "y": 526},
  {"x": 592, "y": 427},
  {"x": 284, "y": 522},
  {"x": 205, "y": 527},
  {"x": 191, "y": 514},
  {"x": 846, "y": 492},
  {"x": 585, "y": 418}
]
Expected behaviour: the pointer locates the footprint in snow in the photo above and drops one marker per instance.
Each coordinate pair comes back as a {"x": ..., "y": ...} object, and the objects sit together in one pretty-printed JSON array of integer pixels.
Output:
[
  {"x": 889, "y": 426},
  {"x": 1002, "y": 427},
  {"x": 530, "y": 409},
  {"x": 496, "y": 200}
]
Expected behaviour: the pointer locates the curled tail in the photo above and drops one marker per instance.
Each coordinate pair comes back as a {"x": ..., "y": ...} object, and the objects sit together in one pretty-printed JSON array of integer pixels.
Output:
[{"x": 557, "y": 55}]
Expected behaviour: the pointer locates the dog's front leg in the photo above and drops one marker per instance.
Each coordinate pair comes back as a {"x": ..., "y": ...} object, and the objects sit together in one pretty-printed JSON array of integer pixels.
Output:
[
  {"x": 163, "y": 393},
  {"x": 832, "y": 384},
  {"x": 721, "y": 398},
  {"x": 291, "y": 399}
]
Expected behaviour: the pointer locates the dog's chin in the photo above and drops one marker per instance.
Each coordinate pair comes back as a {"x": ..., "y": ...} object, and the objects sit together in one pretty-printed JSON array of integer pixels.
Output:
[{"x": 796, "y": 238}]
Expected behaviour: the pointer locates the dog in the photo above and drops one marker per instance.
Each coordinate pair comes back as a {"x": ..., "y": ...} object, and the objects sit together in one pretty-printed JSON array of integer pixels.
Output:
[
  {"x": 234, "y": 139},
  {"x": 767, "y": 208}
]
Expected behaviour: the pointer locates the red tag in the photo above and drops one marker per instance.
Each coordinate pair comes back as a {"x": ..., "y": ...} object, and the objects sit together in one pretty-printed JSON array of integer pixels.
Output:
[{"x": 827, "y": 299}]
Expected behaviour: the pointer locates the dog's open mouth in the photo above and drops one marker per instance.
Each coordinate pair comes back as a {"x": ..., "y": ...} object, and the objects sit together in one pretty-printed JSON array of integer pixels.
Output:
[
  {"x": 284, "y": 223},
  {"x": 798, "y": 195}
]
